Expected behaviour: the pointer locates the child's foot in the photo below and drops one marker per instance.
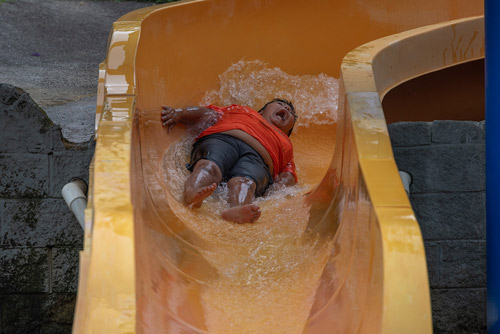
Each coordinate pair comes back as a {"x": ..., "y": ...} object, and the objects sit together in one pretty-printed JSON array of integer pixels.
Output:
[
  {"x": 247, "y": 213},
  {"x": 193, "y": 198}
]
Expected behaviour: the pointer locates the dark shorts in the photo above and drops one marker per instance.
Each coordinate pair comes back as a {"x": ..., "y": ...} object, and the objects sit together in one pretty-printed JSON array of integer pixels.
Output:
[{"x": 234, "y": 157}]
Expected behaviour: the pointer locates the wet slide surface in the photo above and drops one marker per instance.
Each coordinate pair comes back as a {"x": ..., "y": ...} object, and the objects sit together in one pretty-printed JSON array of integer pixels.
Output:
[
  {"x": 325, "y": 256},
  {"x": 241, "y": 278}
]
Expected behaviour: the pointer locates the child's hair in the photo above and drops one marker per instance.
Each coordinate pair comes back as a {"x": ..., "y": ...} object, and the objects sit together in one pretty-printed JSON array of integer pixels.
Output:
[{"x": 291, "y": 107}]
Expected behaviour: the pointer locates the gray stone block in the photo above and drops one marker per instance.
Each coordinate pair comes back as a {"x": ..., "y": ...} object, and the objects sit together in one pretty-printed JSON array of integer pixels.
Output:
[
  {"x": 55, "y": 328},
  {"x": 451, "y": 215},
  {"x": 433, "y": 255},
  {"x": 68, "y": 165},
  {"x": 77, "y": 119},
  {"x": 24, "y": 270},
  {"x": 61, "y": 144},
  {"x": 24, "y": 175},
  {"x": 459, "y": 310},
  {"x": 21, "y": 313},
  {"x": 38, "y": 223},
  {"x": 24, "y": 126},
  {"x": 463, "y": 264},
  {"x": 438, "y": 168},
  {"x": 410, "y": 133},
  {"x": 456, "y": 132},
  {"x": 9, "y": 94},
  {"x": 65, "y": 269},
  {"x": 37, "y": 313},
  {"x": 60, "y": 307}
]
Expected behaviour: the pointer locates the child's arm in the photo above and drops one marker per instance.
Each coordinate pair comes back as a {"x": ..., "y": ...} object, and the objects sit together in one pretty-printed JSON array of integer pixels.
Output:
[
  {"x": 287, "y": 175},
  {"x": 285, "y": 178},
  {"x": 186, "y": 116}
]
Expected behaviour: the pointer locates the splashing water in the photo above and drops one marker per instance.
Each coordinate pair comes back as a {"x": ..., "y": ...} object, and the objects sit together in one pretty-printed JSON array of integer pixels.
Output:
[
  {"x": 267, "y": 271},
  {"x": 252, "y": 83}
]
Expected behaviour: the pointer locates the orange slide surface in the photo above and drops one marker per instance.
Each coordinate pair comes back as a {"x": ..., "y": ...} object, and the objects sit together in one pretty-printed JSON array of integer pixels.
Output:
[{"x": 342, "y": 251}]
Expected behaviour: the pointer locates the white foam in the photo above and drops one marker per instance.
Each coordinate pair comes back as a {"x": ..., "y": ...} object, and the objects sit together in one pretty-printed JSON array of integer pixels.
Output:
[{"x": 253, "y": 83}]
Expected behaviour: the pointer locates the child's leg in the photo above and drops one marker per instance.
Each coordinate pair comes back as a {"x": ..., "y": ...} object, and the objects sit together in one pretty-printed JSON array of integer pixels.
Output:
[
  {"x": 241, "y": 194},
  {"x": 201, "y": 183}
]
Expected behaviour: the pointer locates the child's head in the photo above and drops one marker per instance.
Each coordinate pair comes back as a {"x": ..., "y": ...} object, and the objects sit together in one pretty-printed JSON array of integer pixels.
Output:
[{"x": 281, "y": 113}]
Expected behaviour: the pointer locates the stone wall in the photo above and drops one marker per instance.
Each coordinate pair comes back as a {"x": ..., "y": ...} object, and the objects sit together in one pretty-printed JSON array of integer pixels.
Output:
[
  {"x": 39, "y": 236},
  {"x": 447, "y": 162}
]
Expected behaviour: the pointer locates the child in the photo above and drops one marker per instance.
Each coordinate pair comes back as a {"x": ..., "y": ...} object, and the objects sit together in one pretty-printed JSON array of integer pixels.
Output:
[{"x": 249, "y": 149}]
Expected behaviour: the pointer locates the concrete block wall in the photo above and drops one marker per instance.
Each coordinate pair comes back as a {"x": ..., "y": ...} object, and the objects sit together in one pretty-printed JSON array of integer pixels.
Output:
[
  {"x": 39, "y": 236},
  {"x": 447, "y": 162}
]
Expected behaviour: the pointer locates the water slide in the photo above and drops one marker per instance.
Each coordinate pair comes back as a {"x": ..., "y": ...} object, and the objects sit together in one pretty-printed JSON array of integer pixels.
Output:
[{"x": 342, "y": 251}]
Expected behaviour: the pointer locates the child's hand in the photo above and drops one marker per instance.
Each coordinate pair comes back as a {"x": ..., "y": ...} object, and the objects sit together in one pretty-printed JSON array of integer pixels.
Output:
[
  {"x": 285, "y": 179},
  {"x": 170, "y": 117}
]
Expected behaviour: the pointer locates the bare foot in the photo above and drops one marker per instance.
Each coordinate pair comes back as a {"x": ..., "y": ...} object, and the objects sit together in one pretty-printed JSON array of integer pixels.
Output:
[
  {"x": 193, "y": 198},
  {"x": 247, "y": 213}
]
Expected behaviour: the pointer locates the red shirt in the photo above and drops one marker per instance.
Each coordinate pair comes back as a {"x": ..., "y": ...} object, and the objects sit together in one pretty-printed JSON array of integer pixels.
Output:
[{"x": 275, "y": 141}]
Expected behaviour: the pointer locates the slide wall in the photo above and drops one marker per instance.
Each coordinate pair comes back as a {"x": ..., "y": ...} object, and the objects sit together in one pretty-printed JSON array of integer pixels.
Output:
[{"x": 340, "y": 253}]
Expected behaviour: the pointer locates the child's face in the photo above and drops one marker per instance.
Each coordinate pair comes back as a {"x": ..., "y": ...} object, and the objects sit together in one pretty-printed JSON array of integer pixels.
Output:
[{"x": 280, "y": 114}]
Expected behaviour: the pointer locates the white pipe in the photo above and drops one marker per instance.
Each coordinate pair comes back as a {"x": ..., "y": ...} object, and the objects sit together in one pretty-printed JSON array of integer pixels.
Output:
[
  {"x": 407, "y": 180},
  {"x": 74, "y": 195}
]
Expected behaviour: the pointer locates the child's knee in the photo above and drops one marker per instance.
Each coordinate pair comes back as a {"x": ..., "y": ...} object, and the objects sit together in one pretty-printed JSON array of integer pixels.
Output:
[
  {"x": 209, "y": 167},
  {"x": 238, "y": 181}
]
